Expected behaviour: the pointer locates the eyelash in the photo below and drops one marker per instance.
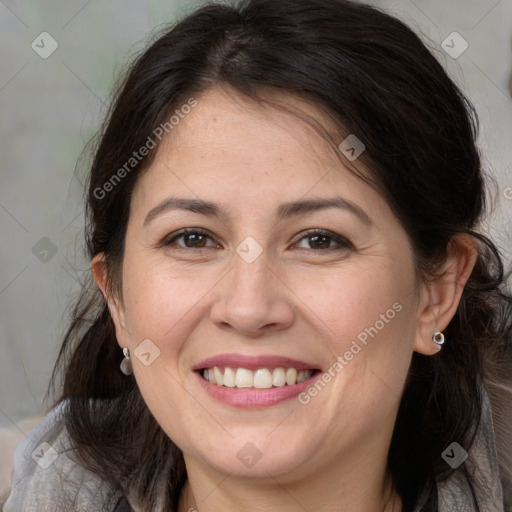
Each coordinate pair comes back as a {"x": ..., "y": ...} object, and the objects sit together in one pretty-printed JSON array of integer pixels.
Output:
[{"x": 342, "y": 242}]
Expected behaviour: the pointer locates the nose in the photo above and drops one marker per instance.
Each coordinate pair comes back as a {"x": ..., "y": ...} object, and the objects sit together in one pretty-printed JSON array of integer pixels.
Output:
[{"x": 252, "y": 299}]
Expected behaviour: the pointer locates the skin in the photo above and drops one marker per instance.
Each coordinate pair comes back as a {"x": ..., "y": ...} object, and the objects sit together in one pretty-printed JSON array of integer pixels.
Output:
[{"x": 298, "y": 299}]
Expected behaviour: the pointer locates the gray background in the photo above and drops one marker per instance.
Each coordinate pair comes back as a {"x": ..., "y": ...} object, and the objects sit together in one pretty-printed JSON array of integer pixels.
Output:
[{"x": 51, "y": 107}]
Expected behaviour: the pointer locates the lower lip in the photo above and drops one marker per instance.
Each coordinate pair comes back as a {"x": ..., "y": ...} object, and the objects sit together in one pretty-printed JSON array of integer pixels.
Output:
[{"x": 254, "y": 397}]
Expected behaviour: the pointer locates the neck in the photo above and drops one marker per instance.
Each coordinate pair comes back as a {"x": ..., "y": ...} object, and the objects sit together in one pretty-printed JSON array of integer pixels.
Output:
[{"x": 365, "y": 488}]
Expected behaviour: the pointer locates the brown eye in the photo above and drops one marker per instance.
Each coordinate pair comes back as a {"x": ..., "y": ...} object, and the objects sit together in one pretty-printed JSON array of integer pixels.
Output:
[
  {"x": 194, "y": 240},
  {"x": 320, "y": 242},
  {"x": 323, "y": 241},
  {"x": 190, "y": 239}
]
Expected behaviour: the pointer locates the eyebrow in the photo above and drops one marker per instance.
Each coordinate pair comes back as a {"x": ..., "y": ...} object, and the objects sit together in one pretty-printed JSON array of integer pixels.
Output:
[{"x": 284, "y": 211}]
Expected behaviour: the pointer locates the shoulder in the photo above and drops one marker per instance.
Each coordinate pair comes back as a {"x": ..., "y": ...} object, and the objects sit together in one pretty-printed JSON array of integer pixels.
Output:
[
  {"x": 478, "y": 476},
  {"x": 500, "y": 395},
  {"x": 47, "y": 475}
]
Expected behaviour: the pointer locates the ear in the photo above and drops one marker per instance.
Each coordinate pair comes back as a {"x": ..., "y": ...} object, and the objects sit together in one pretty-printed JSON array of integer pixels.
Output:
[
  {"x": 440, "y": 296},
  {"x": 115, "y": 306}
]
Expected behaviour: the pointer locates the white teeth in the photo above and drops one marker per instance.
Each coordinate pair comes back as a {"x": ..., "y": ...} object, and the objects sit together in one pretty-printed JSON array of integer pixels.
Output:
[
  {"x": 219, "y": 378},
  {"x": 291, "y": 376},
  {"x": 263, "y": 378},
  {"x": 229, "y": 378},
  {"x": 244, "y": 378},
  {"x": 302, "y": 376},
  {"x": 278, "y": 377}
]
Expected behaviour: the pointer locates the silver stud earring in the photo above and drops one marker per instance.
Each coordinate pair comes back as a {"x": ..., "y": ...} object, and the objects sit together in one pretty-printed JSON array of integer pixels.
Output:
[
  {"x": 438, "y": 339},
  {"x": 126, "y": 363}
]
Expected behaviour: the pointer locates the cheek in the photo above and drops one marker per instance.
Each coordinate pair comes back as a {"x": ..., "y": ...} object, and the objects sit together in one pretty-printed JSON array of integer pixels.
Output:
[
  {"x": 160, "y": 303},
  {"x": 364, "y": 313},
  {"x": 355, "y": 301}
]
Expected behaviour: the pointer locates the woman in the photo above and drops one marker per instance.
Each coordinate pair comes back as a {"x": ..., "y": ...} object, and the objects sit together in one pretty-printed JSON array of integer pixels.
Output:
[{"x": 293, "y": 308}]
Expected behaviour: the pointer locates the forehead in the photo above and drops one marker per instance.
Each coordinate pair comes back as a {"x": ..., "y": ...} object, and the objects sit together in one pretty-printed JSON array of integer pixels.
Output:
[
  {"x": 232, "y": 149},
  {"x": 226, "y": 123}
]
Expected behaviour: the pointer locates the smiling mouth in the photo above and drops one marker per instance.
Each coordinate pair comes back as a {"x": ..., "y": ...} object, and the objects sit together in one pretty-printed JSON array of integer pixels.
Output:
[{"x": 262, "y": 378}]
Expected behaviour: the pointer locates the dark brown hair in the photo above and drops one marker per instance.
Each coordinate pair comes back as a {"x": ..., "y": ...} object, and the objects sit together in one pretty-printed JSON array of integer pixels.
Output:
[{"x": 377, "y": 80}]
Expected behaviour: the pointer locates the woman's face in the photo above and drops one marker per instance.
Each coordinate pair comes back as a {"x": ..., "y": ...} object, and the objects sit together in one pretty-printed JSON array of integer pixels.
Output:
[{"x": 321, "y": 324}]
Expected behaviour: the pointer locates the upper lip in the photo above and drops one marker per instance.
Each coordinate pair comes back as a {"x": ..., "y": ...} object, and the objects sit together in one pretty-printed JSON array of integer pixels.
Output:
[{"x": 253, "y": 362}]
